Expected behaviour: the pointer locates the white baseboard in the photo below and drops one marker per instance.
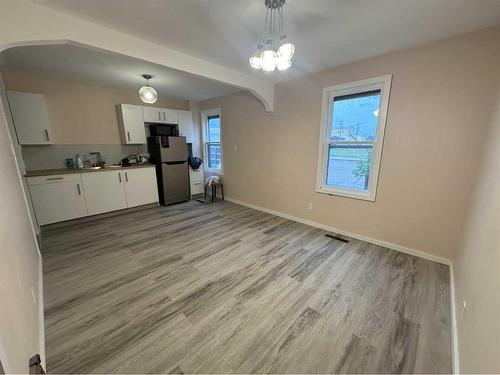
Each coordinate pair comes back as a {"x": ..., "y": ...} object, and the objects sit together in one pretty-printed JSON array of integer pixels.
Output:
[
  {"x": 389, "y": 245},
  {"x": 454, "y": 329},
  {"x": 41, "y": 316}
]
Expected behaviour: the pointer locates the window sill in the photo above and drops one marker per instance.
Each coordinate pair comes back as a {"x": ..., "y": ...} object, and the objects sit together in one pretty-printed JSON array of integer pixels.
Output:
[
  {"x": 346, "y": 194},
  {"x": 215, "y": 171}
]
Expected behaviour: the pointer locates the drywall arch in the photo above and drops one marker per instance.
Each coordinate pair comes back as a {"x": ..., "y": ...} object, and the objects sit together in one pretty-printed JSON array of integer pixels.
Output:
[{"x": 24, "y": 23}]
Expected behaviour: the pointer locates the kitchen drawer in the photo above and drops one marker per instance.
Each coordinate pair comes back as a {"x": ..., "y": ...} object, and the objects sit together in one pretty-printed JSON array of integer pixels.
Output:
[
  {"x": 52, "y": 179},
  {"x": 196, "y": 176},
  {"x": 196, "y": 187}
]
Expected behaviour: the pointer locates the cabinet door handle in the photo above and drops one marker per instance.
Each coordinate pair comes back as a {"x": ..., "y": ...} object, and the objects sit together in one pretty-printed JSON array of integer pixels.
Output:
[
  {"x": 164, "y": 118},
  {"x": 126, "y": 177},
  {"x": 78, "y": 188},
  {"x": 55, "y": 178},
  {"x": 120, "y": 177},
  {"x": 47, "y": 135},
  {"x": 197, "y": 183},
  {"x": 128, "y": 136},
  {"x": 159, "y": 116}
]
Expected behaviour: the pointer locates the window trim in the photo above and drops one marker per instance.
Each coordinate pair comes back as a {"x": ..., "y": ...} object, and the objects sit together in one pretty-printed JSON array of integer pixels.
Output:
[
  {"x": 382, "y": 83},
  {"x": 204, "y": 134}
]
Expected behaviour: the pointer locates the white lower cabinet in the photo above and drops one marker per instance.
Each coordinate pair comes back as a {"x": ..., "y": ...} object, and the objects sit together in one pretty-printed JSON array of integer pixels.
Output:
[
  {"x": 57, "y": 198},
  {"x": 196, "y": 181},
  {"x": 104, "y": 191},
  {"x": 69, "y": 196},
  {"x": 140, "y": 186}
]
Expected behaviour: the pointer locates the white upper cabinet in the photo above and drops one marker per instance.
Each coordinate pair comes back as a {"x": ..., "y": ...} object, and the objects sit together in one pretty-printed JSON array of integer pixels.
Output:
[
  {"x": 160, "y": 115},
  {"x": 31, "y": 118},
  {"x": 132, "y": 121},
  {"x": 140, "y": 186},
  {"x": 186, "y": 127},
  {"x": 104, "y": 191},
  {"x": 152, "y": 114},
  {"x": 170, "y": 116}
]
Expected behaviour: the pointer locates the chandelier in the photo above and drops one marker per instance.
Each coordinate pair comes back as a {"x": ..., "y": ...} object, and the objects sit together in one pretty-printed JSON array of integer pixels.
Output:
[{"x": 267, "y": 57}]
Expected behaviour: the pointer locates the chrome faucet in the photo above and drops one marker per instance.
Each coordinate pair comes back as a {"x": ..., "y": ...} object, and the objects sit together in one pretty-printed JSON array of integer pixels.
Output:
[{"x": 100, "y": 161}]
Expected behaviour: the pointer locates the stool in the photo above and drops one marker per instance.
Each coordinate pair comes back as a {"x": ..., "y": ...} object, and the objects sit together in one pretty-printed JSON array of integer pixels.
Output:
[{"x": 214, "y": 190}]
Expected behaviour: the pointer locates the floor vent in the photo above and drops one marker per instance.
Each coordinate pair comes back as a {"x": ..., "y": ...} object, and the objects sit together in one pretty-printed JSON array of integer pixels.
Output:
[{"x": 333, "y": 237}]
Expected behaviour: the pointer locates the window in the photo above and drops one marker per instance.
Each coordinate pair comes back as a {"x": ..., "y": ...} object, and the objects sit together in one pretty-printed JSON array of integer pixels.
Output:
[
  {"x": 212, "y": 138},
  {"x": 351, "y": 138}
]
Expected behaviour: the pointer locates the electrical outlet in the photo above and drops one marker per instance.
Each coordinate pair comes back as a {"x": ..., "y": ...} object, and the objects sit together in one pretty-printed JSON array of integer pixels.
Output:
[
  {"x": 464, "y": 304},
  {"x": 235, "y": 147},
  {"x": 309, "y": 205}
]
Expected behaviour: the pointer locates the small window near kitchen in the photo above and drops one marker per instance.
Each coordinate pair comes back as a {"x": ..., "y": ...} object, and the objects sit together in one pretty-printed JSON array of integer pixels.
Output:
[
  {"x": 351, "y": 138},
  {"x": 212, "y": 138}
]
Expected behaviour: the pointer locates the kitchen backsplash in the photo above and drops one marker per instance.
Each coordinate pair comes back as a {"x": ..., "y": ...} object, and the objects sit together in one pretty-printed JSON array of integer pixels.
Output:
[{"x": 53, "y": 156}]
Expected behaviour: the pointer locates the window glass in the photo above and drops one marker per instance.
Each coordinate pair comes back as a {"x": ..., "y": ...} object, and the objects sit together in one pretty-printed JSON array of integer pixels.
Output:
[
  {"x": 213, "y": 150},
  {"x": 213, "y": 129},
  {"x": 349, "y": 166},
  {"x": 353, "y": 131},
  {"x": 214, "y": 155},
  {"x": 355, "y": 117}
]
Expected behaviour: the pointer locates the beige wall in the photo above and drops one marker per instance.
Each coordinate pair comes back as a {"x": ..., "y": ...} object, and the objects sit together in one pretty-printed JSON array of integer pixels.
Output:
[
  {"x": 439, "y": 112},
  {"x": 81, "y": 113},
  {"x": 477, "y": 266},
  {"x": 194, "y": 107},
  {"x": 21, "y": 312}
]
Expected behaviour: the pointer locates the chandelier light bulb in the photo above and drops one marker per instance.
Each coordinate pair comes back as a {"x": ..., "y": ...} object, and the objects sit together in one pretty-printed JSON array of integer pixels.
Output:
[
  {"x": 268, "y": 57},
  {"x": 286, "y": 49},
  {"x": 255, "y": 60},
  {"x": 283, "y": 63}
]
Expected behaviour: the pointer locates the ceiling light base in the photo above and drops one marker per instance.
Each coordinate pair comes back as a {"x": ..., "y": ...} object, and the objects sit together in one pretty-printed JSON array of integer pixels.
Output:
[
  {"x": 147, "y": 76},
  {"x": 274, "y": 4}
]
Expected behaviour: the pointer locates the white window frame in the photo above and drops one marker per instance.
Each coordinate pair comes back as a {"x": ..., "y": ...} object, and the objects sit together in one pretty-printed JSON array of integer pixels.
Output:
[
  {"x": 382, "y": 83},
  {"x": 204, "y": 135}
]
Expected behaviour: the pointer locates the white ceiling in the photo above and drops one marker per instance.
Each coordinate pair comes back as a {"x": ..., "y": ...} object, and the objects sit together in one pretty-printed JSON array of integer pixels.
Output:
[
  {"x": 90, "y": 65},
  {"x": 326, "y": 32}
]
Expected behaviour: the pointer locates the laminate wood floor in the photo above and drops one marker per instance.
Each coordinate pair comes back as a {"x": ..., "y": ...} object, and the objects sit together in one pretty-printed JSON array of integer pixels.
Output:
[{"x": 221, "y": 288}]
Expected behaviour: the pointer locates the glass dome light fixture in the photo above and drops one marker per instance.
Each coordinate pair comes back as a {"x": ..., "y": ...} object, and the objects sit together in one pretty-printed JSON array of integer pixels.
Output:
[
  {"x": 255, "y": 60},
  {"x": 286, "y": 49},
  {"x": 147, "y": 93},
  {"x": 266, "y": 56},
  {"x": 283, "y": 63}
]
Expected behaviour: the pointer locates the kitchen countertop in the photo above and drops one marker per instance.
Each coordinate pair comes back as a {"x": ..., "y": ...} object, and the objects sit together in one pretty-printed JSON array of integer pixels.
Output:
[{"x": 48, "y": 172}]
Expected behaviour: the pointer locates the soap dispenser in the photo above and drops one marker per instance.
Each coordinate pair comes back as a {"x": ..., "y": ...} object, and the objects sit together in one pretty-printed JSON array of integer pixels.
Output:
[{"x": 79, "y": 163}]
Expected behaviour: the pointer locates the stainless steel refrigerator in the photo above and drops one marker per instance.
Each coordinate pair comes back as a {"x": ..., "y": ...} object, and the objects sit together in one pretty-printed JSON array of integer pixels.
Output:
[{"x": 169, "y": 154}]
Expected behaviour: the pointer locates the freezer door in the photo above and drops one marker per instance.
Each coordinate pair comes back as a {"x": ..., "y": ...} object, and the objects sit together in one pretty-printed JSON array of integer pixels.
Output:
[
  {"x": 175, "y": 178},
  {"x": 176, "y": 150}
]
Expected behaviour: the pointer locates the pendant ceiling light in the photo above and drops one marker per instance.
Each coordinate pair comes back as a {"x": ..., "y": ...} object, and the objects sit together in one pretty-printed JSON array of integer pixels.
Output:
[
  {"x": 147, "y": 93},
  {"x": 271, "y": 55}
]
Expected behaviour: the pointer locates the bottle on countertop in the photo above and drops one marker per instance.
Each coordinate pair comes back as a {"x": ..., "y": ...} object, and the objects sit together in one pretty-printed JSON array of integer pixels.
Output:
[{"x": 79, "y": 163}]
